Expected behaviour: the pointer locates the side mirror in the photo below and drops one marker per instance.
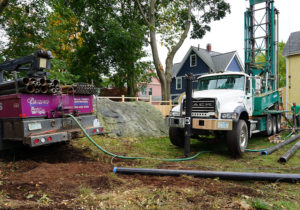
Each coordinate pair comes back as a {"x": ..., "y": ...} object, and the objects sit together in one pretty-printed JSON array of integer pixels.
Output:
[
  {"x": 258, "y": 84},
  {"x": 248, "y": 85}
]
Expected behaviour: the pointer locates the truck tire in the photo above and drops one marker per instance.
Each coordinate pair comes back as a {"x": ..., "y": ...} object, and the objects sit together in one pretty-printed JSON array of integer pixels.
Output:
[
  {"x": 269, "y": 126},
  {"x": 274, "y": 125},
  {"x": 278, "y": 122},
  {"x": 176, "y": 136},
  {"x": 237, "y": 139}
]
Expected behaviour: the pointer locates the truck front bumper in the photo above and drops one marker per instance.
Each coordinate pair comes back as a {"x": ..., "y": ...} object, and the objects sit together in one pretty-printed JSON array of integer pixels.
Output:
[{"x": 201, "y": 124}]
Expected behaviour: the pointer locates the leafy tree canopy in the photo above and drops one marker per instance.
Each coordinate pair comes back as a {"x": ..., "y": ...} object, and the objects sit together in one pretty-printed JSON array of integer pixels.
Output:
[
  {"x": 172, "y": 20},
  {"x": 88, "y": 38}
]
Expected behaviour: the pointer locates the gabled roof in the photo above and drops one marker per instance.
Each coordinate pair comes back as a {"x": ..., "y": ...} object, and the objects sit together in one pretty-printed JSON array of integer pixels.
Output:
[
  {"x": 175, "y": 69},
  {"x": 292, "y": 46},
  {"x": 217, "y": 62},
  {"x": 205, "y": 56},
  {"x": 222, "y": 61}
]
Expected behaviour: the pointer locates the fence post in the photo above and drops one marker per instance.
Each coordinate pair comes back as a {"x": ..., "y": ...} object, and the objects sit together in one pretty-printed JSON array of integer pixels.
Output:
[
  {"x": 150, "y": 99},
  {"x": 123, "y": 98},
  {"x": 137, "y": 98}
]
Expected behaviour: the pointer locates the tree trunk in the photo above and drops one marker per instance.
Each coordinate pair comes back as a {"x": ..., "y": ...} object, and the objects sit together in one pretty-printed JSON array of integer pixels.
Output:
[
  {"x": 3, "y": 4},
  {"x": 165, "y": 76},
  {"x": 131, "y": 84}
]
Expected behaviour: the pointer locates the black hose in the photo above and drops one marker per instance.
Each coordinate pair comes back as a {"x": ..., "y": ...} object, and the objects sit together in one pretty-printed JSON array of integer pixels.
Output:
[
  {"x": 284, "y": 158},
  {"x": 276, "y": 147},
  {"x": 212, "y": 174}
]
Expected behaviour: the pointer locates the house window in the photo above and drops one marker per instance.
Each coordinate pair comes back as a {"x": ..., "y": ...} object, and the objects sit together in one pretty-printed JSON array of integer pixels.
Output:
[
  {"x": 178, "y": 83},
  {"x": 150, "y": 91},
  {"x": 193, "y": 60},
  {"x": 143, "y": 91}
]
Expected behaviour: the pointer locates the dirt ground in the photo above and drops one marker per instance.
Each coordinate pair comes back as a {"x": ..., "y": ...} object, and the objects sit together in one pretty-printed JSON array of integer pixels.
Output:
[{"x": 56, "y": 177}]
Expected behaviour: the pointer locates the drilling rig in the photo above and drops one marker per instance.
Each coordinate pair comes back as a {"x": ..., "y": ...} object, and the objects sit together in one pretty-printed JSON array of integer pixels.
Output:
[
  {"x": 34, "y": 110},
  {"x": 236, "y": 105}
]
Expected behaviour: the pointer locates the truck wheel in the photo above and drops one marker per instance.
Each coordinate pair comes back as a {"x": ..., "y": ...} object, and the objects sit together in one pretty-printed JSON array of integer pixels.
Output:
[
  {"x": 274, "y": 125},
  {"x": 278, "y": 122},
  {"x": 237, "y": 139},
  {"x": 176, "y": 136},
  {"x": 269, "y": 126}
]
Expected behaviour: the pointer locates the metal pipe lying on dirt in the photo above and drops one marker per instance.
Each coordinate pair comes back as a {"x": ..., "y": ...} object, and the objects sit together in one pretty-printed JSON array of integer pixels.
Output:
[
  {"x": 276, "y": 147},
  {"x": 284, "y": 158},
  {"x": 212, "y": 174}
]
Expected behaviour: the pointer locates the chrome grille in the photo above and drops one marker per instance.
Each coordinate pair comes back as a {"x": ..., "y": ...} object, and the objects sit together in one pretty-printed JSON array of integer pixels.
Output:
[{"x": 202, "y": 105}]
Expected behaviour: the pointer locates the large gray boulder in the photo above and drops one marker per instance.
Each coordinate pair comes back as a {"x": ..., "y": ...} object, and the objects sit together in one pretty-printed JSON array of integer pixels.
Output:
[{"x": 130, "y": 119}]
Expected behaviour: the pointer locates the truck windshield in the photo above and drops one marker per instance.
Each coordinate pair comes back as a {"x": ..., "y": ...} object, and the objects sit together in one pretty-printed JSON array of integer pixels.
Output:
[{"x": 235, "y": 82}]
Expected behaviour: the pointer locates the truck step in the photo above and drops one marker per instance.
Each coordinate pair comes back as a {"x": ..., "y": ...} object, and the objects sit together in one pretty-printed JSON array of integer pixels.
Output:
[
  {"x": 253, "y": 121},
  {"x": 255, "y": 131}
]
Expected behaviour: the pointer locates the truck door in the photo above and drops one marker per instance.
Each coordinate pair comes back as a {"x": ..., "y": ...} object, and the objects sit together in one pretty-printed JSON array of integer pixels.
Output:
[{"x": 248, "y": 100}]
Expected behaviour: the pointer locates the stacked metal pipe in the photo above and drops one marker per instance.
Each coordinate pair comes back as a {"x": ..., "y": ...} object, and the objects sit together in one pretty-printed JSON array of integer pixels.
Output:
[
  {"x": 79, "y": 89},
  {"x": 30, "y": 85}
]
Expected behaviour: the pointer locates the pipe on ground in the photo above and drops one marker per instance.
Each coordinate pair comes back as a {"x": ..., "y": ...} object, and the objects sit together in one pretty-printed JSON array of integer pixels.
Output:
[
  {"x": 212, "y": 174},
  {"x": 284, "y": 158},
  {"x": 276, "y": 147}
]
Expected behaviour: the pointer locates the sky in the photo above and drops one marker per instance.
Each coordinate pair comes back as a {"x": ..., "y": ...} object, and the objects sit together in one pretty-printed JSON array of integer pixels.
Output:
[{"x": 228, "y": 34}]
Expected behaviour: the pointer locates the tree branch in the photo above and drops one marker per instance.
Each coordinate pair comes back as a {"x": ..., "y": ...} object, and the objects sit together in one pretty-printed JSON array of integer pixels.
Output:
[
  {"x": 142, "y": 12},
  {"x": 183, "y": 36},
  {"x": 153, "y": 42},
  {"x": 3, "y": 4}
]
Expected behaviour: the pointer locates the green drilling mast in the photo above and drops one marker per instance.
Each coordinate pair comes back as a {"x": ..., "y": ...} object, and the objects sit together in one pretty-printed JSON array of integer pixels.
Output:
[{"x": 261, "y": 27}]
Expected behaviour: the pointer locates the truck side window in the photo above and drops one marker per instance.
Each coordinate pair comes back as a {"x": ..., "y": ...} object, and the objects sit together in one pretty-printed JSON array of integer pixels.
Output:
[{"x": 248, "y": 85}]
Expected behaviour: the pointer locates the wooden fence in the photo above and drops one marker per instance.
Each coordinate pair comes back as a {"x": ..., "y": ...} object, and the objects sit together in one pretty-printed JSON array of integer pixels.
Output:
[{"x": 163, "y": 106}]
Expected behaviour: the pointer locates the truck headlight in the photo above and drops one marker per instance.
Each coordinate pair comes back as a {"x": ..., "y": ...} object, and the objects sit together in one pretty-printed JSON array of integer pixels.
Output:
[
  {"x": 174, "y": 114},
  {"x": 231, "y": 115}
]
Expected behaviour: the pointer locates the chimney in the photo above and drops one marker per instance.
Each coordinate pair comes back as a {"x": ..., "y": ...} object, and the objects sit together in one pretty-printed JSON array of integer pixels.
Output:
[
  {"x": 208, "y": 47},
  {"x": 198, "y": 47}
]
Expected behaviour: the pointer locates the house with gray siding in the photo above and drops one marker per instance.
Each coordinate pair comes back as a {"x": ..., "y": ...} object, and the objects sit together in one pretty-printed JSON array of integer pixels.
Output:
[{"x": 199, "y": 61}]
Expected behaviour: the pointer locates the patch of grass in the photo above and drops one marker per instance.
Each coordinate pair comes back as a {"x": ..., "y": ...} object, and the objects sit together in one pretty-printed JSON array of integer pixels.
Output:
[
  {"x": 85, "y": 191},
  {"x": 86, "y": 197},
  {"x": 218, "y": 159},
  {"x": 149, "y": 198},
  {"x": 44, "y": 199},
  {"x": 260, "y": 204},
  {"x": 2, "y": 196},
  {"x": 286, "y": 205}
]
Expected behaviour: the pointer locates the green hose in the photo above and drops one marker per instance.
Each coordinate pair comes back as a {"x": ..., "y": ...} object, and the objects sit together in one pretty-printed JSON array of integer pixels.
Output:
[
  {"x": 135, "y": 158},
  {"x": 130, "y": 158},
  {"x": 255, "y": 150},
  {"x": 288, "y": 135},
  {"x": 260, "y": 150}
]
